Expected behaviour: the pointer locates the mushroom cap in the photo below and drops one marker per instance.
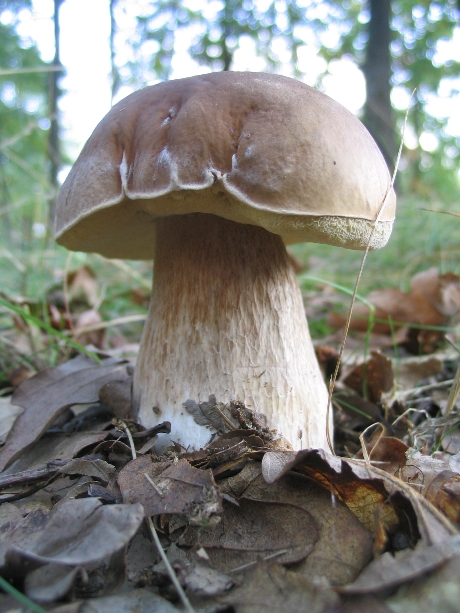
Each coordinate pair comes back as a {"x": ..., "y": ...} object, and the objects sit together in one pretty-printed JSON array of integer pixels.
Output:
[{"x": 253, "y": 148}]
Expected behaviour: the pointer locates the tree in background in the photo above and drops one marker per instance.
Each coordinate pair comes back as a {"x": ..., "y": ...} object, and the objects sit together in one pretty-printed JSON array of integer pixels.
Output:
[
  {"x": 54, "y": 145},
  {"x": 24, "y": 126},
  {"x": 378, "y": 113},
  {"x": 420, "y": 54},
  {"x": 399, "y": 45}
]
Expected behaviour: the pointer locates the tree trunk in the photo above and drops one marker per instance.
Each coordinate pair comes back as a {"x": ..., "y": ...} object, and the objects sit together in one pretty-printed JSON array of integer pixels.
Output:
[
  {"x": 53, "y": 139},
  {"x": 113, "y": 28},
  {"x": 378, "y": 112}
]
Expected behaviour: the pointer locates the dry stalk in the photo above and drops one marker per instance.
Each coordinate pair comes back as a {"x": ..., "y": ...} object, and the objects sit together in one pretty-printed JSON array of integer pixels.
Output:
[
  {"x": 358, "y": 279},
  {"x": 170, "y": 569}
]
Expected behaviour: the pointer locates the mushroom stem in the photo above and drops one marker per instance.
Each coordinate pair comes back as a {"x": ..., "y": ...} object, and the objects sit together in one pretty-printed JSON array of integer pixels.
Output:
[{"x": 226, "y": 318}]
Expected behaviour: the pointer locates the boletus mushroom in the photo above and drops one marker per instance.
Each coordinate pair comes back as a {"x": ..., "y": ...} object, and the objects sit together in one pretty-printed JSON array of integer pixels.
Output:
[{"x": 211, "y": 176}]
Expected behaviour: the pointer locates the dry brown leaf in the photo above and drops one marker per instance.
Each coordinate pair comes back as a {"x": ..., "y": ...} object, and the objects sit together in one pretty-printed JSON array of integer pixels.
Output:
[
  {"x": 363, "y": 603},
  {"x": 343, "y": 547},
  {"x": 55, "y": 445},
  {"x": 387, "y": 571},
  {"x": 437, "y": 478},
  {"x": 409, "y": 371},
  {"x": 177, "y": 488},
  {"x": 8, "y": 415},
  {"x": 102, "y": 471},
  {"x": 204, "y": 581},
  {"x": 52, "y": 582},
  {"x": 387, "y": 302},
  {"x": 388, "y": 452},
  {"x": 116, "y": 396},
  {"x": 85, "y": 320},
  {"x": 76, "y": 532},
  {"x": 432, "y": 299},
  {"x": 373, "y": 378},
  {"x": 365, "y": 489},
  {"x": 253, "y": 529},
  {"x": 48, "y": 394},
  {"x": 272, "y": 588},
  {"x": 83, "y": 286},
  {"x": 135, "y": 601},
  {"x": 142, "y": 555},
  {"x": 10, "y": 516},
  {"x": 439, "y": 591}
]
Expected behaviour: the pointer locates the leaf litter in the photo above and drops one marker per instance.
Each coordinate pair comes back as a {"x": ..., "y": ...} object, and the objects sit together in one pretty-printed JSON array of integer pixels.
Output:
[{"x": 246, "y": 524}]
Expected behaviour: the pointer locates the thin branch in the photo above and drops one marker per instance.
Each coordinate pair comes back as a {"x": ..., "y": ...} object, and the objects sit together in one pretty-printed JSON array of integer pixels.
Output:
[{"x": 11, "y": 71}]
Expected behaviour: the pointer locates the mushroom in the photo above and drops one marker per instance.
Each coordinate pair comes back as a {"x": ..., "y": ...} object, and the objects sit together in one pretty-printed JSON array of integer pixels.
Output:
[{"x": 211, "y": 176}]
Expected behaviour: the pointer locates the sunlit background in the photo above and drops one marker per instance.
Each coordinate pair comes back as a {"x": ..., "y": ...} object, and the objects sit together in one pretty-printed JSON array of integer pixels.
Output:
[
  {"x": 85, "y": 54},
  {"x": 109, "y": 48}
]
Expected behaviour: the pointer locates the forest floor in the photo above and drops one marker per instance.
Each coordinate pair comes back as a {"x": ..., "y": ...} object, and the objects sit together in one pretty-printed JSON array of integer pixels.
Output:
[{"x": 93, "y": 519}]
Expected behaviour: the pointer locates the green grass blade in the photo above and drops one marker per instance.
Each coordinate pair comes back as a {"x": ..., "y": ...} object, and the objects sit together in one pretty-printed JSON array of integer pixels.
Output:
[
  {"x": 20, "y": 597},
  {"x": 44, "y": 326}
]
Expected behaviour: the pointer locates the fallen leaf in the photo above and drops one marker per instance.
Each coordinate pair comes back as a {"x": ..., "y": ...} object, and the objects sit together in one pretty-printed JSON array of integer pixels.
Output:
[
  {"x": 373, "y": 378},
  {"x": 437, "y": 478},
  {"x": 85, "y": 329},
  {"x": 8, "y": 415},
  {"x": 103, "y": 471},
  {"x": 431, "y": 301},
  {"x": 54, "y": 446},
  {"x": 343, "y": 547},
  {"x": 439, "y": 591},
  {"x": 133, "y": 601},
  {"x": 52, "y": 582},
  {"x": 203, "y": 580},
  {"x": 252, "y": 529},
  {"x": 82, "y": 286},
  {"x": 76, "y": 532},
  {"x": 388, "y": 452},
  {"x": 388, "y": 571},
  {"x": 142, "y": 554},
  {"x": 366, "y": 489},
  {"x": 116, "y": 395},
  {"x": 177, "y": 488},
  {"x": 205, "y": 414},
  {"x": 47, "y": 395},
  {"x": 272, "y": 588},
  {"x": 409, "y": 371},
  {"x": 10, "y": 515}
]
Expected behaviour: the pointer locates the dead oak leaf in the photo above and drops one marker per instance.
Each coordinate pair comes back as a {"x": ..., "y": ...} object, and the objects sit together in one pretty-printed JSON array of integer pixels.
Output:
[
  {"x": 77, "y": 532},
  {"x": 132, "y": 601},
  {"x": 52, "y": 582},
  {"x": 437, "y": 478},
  {"x": 203, "y": 580},
  {"x": 272, "y": 588},
  {"x": 8, "y": 415},
  {"x": 366, "y": 490},
  {"x": 47, "y": 395},
  {"x": 343, "y": 547},
  {"x": 387, "y": 571},
  {"x": 373, "y": 378},
  {"x": 170, "y": 488},
  {"x": 255, "y": 528},
  {"x": 98, "y": 469}
]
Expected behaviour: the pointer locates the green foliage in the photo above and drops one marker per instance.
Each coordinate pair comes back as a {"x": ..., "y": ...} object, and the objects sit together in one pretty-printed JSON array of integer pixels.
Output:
[
  {"x": 24, "y": 187},
  {"x": 23, "y": 126},
  {"x": 420, "y": 33},
  {"x": 279, "y": 29},
  {"x": 421, "y": 238}
]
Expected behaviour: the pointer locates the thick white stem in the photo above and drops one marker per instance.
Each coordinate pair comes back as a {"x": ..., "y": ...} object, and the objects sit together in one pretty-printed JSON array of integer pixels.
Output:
[{"x": 226, "y": 318}]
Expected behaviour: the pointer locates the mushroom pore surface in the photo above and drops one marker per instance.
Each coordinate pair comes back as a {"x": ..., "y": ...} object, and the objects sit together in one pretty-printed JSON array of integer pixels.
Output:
[{"x": 226, "y": 318}]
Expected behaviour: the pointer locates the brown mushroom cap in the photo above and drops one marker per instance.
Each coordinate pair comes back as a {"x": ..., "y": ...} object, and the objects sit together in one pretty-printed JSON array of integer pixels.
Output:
[{"x": 260, "y": 149}]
